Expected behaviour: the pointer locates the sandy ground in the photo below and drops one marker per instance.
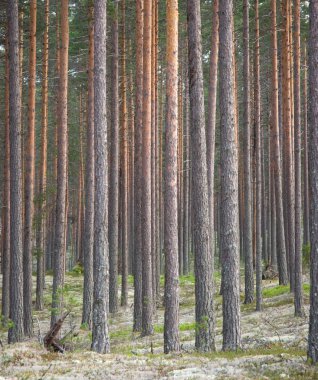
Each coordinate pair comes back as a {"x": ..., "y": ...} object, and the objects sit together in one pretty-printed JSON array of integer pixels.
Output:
[{"x": 273, "y": 344}]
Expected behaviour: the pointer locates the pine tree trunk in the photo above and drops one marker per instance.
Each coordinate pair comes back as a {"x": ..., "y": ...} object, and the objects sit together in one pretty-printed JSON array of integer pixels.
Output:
[
  {"x": 313, "y": 170},
  {"x": 40, "y": 238},
  {"x": 100, "y": 339},
  {"x": 288, "y": 139},
  {"x": 124, "y": 166},
  {"x": 15, "y": 333},
  {"x": 5, "y": 307},
  {"x": 171, "y": 318},
  {"x": 298, "y": 211},
  {"x": 305, "y": 156},
  {"x": 88, "y": 242},
  {"x": 204, "y": 313},
  {"x": 114, "y": 175},
  {"x": 29, "y": 180},
  {"x": 247, "y": 227},
  {"x": 276, "y": 158},
  {"x": 212, "y": 119},
  {"x": 147, "y": 295},
  {"x": 60, "y": 218},
  {"x": 138, "y": 169},
  {"x": 229, "y": 186},
  {"x": 258, "y": 174}
]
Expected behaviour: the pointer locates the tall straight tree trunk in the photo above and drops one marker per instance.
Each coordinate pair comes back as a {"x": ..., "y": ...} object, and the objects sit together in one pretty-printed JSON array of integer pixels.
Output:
[
  {"x": 186, "y": 183},
  {"x": 305, "y": 155},
  {"x": 258, "y": 171},
  {"x": 100, "y": 339},
  {"x": 5, "y": 306},
  {"x": 214, "y": 55},
  {"x": 124, "y": 162},
  {"x": 229, "y": 186},
  {"x": 138, "y": 168},
  {"x": 29, "y": 180},
  {"x": 40, "y": 237},
  {"x": 298, "y": 299},
  {"x": 288, "y": 139},
  {"x": 88, "y": 242},
  {"x": 147, "y": 298},
  {"x": 15, "y": 333},
  {"x": 276, "y": 158},
  {"x": 204, "y": 313},
  {"x": 114, "y": 174},
  {"x": 247, "y": 227},
  {"x": 60, "y": 218},
  {"x": 171, "y": 325},
  {"x": 313, "y": 170}
]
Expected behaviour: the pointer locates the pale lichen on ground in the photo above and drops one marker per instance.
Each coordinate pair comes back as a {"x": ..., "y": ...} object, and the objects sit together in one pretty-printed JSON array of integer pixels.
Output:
[{"x": 273, "y": 343}]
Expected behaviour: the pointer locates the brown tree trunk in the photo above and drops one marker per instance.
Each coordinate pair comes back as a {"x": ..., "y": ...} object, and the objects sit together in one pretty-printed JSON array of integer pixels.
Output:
[
  {"x": 276, "y": 157},
  {"x": 40, "y": 237},
  {"x": 204, "y": 313},
  {"x": 60, "y": 219},
  {"x": 100, "y": 339},
  {"x": 305, "y": 156},
  {"x": 299, "y": 310},
  {"x": 171, "y": 324},
  {"x": 15, "y": 333},
  {"x": 147, "y": 295},
  {"x": 29, "y": 180},
  {"x": 124, "y": 163},
  {"x": 247, "y": 227},
  {"x": 288, "y": 140},
  {"x": 229, "y": 185},
  {"x": 114, "y": 174},
  {"x": 138, "y": 168},
  {"x": 258, "y": 171},
  {"x": 211, "y": 122},
  {"x": 313, "y": 170},
  {"x": 88, "y": 242},
  {"x": 5, "y": 307}
]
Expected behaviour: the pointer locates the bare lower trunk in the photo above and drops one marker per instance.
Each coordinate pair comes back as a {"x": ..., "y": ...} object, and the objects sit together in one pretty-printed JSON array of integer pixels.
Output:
[
  {"x": 313, "y": 170},
  {"x": 15, "y": 333},
  {"x": 229, "y": 186},
  {"x": 204, "y": 313},
  {"x": 88, "y": 243},
  {"x": 171, "y": 326}
]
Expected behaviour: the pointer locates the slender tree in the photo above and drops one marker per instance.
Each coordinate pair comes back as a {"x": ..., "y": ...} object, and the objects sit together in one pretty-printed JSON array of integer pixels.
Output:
[
  {"x": 214, "y": 54},
  {"x": 138, "y": 168},
  {"x": 40, "y": 234},
  {"x": 5, "y": 306},
  {"x": 147, "y": 297},
  {"x": 204, "y": 313},
  {"x": 60, "y": 218},
  {"x": 114, "y": 171},
  {"x": 124, "y": 162},
  {"x": 29, "y": 180},
  {"x": 247, "y": 226},
  {"x": 299, "y": 311},
  {"x": 288, "y": 140},
  {"x": 276, "y": 156},
  {"x": 100, "y": 339},
  {"x": 88, "y": 243},
  {"x": 229, "y": 186},
  {"x": 15, "y": 333},
  {"x": 313, "y": 170},
  {"x": 258, "y": 163},
  {"x": 171, "y": 325}
]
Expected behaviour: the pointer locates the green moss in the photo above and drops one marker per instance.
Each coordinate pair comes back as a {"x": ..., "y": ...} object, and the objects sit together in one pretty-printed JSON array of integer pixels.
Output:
[{"x": 275, "y": 291}]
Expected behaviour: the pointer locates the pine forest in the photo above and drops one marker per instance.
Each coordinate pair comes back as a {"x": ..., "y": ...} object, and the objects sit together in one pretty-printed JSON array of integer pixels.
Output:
[{"x": 159, "y": 189}]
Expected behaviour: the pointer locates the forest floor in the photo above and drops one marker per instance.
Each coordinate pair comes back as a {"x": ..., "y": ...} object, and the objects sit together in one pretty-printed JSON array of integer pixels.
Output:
[{"x": 274, "y": 343}]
